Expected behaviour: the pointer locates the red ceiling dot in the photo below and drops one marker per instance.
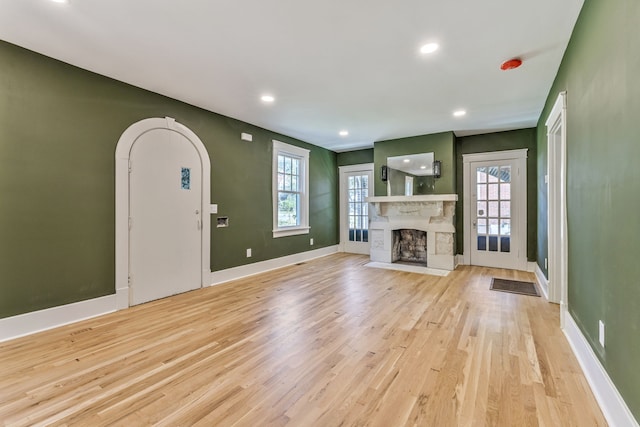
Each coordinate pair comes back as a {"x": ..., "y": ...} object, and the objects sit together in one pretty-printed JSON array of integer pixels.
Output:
[{"x": 511, "y": 64}]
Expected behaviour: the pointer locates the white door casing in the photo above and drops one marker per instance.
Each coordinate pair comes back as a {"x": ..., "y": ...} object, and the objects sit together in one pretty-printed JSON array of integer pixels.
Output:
[
  {"x": 167, "y": 133},
  {"x": 354, "y": 209},
  {"x": 557, "y": 205},
  {"x": 497, "y": 216}
]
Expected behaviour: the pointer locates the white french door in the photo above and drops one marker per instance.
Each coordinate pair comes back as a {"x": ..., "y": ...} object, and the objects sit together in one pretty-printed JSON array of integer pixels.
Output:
[
  {"x": 356, "y": 184},
  {"x": 495, "y": 209}
]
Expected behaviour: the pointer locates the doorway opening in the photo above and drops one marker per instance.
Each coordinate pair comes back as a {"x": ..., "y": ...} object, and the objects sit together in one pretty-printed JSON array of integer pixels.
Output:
[{"x": 557, "y": 205}]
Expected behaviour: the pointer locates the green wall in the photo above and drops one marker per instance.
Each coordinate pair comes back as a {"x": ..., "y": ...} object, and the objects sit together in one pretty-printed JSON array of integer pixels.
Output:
[
  {"x": 356, "y": 157},
  {"x": 601, "y": 74},
  {"x": 59, "y": 126},
  {"x": 441, "y": 144},
  {"x": 500, "y": 141}
]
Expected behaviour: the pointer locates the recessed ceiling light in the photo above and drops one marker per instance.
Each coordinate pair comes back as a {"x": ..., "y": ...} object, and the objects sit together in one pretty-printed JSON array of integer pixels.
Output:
[
  {"x": 423, "y": 167},
  {"x": 60, "y": 1},
  {"x": 429, "y": 48},
  {"x": 344, "y": 133},
  {"x": 267, "y": 98},
  {"x": 406, "y": 160},
  {"x": 459, "y": 113}
]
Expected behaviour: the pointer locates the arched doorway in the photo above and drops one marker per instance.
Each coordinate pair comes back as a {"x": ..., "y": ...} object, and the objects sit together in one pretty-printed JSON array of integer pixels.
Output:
[{"x": 162, "y": 208}]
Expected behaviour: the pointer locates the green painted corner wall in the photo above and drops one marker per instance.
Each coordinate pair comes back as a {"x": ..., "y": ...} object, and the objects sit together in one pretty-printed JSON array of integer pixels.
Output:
[
  {"x": 356, "y": 157},
  {"x": 59, "y": 126},
  {"x": 501, "y": 141},
  {"x": 600, "y": 72},
  {"x": 441, "y": 144}
]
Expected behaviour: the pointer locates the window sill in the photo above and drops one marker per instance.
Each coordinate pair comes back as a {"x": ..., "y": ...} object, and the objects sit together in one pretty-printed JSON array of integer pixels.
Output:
[{"x": 292, "y": 231}]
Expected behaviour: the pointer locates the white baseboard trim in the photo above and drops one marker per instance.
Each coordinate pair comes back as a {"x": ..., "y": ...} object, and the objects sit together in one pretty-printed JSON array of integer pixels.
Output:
[
  {"x": 459, "y": 260},
  {"x": 235, "y": 273},
  {"x": 613, "y": 406},
  {"x": 531, "y": 266},
  {"x": 49, "y": 318},
  {"x": 542, "y": 281}
]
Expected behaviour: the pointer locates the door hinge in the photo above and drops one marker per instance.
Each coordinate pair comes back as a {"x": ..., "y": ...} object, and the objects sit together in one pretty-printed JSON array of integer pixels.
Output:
[
  {"x": 130, "y": 222},
  {"x": 129, "y": 166},
  {"x": 129, "y": 279}
]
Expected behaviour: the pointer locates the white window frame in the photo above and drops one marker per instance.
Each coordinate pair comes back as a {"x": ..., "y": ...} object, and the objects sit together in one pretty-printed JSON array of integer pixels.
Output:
[{"x": 281, "y": 148}]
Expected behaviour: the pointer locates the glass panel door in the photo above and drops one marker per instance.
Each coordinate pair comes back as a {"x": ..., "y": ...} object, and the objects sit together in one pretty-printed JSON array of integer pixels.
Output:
[
  {"x": 355, "y": 188},
  {"x": 495, "y": 238}
]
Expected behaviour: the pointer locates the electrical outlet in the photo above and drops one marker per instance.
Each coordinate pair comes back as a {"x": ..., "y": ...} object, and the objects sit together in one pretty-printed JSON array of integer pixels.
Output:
[
  {"x": 311, "y": 241},
  {"x": 546, "y": 263},
  {"x": 249, "y": 253},
  {"x": 601, "y": 332}
]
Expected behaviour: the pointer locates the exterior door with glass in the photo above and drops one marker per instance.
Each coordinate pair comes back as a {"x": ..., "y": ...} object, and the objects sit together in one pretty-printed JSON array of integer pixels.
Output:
[
  {"x": 356, "y": 184},
  {"x": 496, "y": 210}
]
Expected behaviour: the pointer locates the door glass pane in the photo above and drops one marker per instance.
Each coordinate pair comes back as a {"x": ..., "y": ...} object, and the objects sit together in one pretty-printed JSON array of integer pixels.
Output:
[
  {"x": 493, "y": 209},
  {"x": 482, "y": 243},
  {"x": 505, "y": 191},
  {"x": 493, "y": 243},
  {"x": 482, "y": 226},
  {"x": 493, "y": 191},
  {"x": 505, "y": 227},
  {"x": 493, "y": 226},
  {"x": 482, "y": 192},
  {"x": 505, "y": 244},
  {"x": 505, "y": 209},
  {"x": 505, "y": 174},
  {"x": 492, "y": 174},
  {"x": 481, "y": 175},
  {"x": 482, "y": 208}
]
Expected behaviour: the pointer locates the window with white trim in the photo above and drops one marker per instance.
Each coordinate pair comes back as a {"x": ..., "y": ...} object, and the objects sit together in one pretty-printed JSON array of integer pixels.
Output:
[{"x": 290, "y": 190}]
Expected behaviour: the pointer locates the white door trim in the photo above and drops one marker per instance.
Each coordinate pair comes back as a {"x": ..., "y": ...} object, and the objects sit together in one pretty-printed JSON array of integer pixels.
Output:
[
  {"x": 123, "y": 152},
  {"x": 467, "y": 159},
  {"x": 343, "y": 170},
  {"x": 557, "y": 238}
]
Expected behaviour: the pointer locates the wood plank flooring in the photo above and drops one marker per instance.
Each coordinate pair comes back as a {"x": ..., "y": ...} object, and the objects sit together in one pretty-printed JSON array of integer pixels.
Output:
[{"x": 324, "y": 343}]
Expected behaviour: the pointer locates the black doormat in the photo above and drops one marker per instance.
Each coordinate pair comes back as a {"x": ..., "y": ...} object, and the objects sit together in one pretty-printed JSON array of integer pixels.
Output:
[{"x": 514, "y": 286}]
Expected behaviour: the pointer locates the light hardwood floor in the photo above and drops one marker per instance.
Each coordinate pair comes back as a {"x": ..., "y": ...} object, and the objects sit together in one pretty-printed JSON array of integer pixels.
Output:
[{"x": 324, "y": 343}]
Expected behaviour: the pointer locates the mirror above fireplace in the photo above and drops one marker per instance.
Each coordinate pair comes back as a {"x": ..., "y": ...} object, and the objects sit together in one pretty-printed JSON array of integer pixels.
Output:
[{"x": 410, "y": 174}]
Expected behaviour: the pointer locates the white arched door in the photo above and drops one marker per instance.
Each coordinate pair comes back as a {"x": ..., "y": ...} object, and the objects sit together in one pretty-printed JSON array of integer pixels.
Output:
[{"x": 167, "y": 219}]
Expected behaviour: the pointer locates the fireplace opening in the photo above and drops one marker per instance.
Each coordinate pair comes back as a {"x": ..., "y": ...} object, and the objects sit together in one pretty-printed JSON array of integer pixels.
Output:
[{"x": 409, "y": 246}]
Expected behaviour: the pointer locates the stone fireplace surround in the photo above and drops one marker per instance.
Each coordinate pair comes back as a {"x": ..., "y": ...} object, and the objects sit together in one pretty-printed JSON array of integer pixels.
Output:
[{"x": 434, "y": 213}]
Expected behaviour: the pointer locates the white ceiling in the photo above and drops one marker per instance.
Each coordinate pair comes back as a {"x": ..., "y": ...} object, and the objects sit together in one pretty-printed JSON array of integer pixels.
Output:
[{"x": 331, "y": 64}]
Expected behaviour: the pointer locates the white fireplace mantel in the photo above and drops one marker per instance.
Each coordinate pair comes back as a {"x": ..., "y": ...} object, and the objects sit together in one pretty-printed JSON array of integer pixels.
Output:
[
  {"x": 433, "y": 213},
  {"x": 409, "y": 199}
]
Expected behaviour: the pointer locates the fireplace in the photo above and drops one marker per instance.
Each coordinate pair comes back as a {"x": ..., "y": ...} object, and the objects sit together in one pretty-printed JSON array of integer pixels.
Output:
[
  {"x": 427, "y": 223},
  {"x": 409, "y": 245}
]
